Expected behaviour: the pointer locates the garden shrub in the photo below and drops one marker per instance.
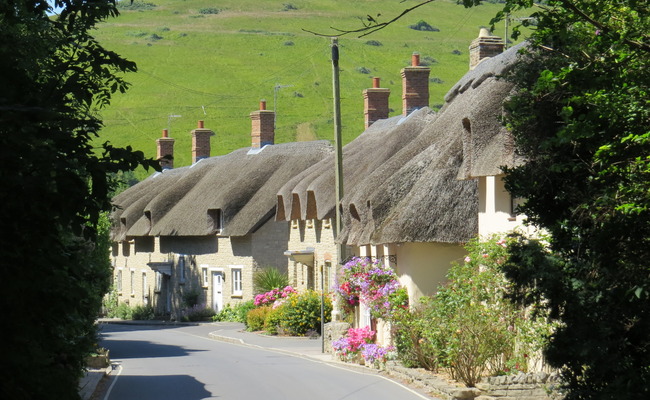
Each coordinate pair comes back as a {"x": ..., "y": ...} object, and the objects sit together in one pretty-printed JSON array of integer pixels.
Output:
[
  {"x": 142, "y": 313},
  {"x": 469, "y": 326},
  {"x": 359, "y": 343},
  {"x": 256, "y": 317},
  {"x": 273, "y": 321},
  {"x": 191, "y": 297},
  {"x": 302, "y": 313},
  {"x": 236, "y": 313},
  {"x": 269, "y": 278},
  {"x": 273, "y": 295},
  {"x": 198, "y": 312},
  {"x": 123, "y": 311},
  {"x": 409, "y": 327}
]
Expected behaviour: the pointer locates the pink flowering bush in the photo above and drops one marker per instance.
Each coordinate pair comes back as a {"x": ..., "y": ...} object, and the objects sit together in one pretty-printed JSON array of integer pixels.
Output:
[
  {"x": 359, "y": 342},
  {"x": 372, "y": 284},
  {"x": 272, "y": 296}
]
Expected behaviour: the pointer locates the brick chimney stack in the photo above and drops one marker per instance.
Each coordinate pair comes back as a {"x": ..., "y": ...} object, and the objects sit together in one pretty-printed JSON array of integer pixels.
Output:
[
  {"x": 484, "y": 46},
  {"x": 262, "y": 132},
  {"x": 415, "y": 86},
  {"x": 165, "y": 147},
  {"x": 375, "y": 103},
  {"x": 201, "y": 142}
]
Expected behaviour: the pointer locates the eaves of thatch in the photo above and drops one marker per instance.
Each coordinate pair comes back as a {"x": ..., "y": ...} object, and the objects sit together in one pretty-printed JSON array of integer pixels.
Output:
[{"x": 238, "y": 188}]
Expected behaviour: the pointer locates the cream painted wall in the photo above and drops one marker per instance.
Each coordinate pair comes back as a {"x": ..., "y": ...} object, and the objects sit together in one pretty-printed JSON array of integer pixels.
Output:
[
  {"x": 495, "y": 208},
  {"x": 422, "y": 267}
]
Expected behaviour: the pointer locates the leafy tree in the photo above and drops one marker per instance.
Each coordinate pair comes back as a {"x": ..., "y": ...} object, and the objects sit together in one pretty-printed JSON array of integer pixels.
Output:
[
  {"x": 54, "y": 77},
  {"x": 581, "y": 120}
]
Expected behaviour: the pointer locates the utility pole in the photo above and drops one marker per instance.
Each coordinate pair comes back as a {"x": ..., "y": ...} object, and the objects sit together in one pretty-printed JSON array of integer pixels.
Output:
[
  {"x": 275, "y": 101},
  {"x": 338, "y": 159}
]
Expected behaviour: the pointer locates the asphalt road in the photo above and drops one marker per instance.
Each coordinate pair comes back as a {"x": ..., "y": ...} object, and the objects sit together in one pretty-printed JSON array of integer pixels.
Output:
[{"x": 183, "y": 363}]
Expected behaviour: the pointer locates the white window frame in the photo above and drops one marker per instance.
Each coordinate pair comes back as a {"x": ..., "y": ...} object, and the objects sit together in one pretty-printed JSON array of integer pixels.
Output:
[
  {"x": 236, "y": 275},
  {"x": 145, "y": 285},
  {"x": 132, "y": 282},
  {"x": 205, "y": 275},
  {"x": 158, "y": 284},
  {"x": 118, "y": 279}
]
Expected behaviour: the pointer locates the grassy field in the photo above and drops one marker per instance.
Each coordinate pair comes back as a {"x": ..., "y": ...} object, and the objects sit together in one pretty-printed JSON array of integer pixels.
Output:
[{"x": 215, "y": 60}]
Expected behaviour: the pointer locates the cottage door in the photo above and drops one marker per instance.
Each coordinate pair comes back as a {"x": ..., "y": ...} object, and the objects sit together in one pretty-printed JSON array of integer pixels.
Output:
[{"x": 217, "y": 291}]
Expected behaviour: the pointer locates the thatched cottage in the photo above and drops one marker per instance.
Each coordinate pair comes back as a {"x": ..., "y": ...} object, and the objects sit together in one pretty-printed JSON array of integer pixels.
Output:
[
  {"x": 417, "y": 186},
  {"x": 204, "y": 229}
]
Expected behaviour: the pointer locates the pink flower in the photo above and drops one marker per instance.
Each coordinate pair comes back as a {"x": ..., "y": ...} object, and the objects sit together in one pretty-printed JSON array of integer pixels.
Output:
[{"x": 467, "y": 259}]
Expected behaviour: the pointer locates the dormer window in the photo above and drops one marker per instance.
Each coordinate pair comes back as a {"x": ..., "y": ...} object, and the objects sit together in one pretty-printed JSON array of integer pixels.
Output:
[
  {"x": 147, "y": 214},
  {"x": 215, "y": 220}
]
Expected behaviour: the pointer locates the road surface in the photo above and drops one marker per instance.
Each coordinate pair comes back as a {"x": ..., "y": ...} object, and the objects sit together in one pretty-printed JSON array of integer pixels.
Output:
[{"x": 182, "y": 362}]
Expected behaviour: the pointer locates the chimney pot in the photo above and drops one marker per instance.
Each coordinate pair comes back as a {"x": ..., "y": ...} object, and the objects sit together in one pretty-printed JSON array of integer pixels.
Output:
[
  {"x": 262, "y": 126},
  {"x": 484, "y": 46},
  {"x": 415, "y": 86},
  {"x": 375, "y": 101},
  {"x": 201, "y": 142},
  {"x": 165, "y": 147},
  {"x": 415, "y": 59}
]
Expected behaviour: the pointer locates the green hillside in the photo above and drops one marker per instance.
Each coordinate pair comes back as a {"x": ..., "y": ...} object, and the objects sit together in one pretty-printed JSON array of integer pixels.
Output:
[{"x": 215, "y": 60}]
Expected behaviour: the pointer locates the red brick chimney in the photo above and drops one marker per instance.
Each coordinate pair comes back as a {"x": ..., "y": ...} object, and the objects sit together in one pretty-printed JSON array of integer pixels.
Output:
[
  {"x": 484, "y": 46},
  {"x": 262, "y": 132},
  {"x": 200, "y": 142},
  {"x": 415, "y": 86},
  {"x": 165, "y": 147},
  {"x": 375, "y": 103}
]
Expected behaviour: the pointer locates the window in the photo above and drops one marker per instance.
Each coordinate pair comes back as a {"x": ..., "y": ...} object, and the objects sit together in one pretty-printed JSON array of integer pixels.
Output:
[
  {"x": 181, "y": 269},
  {"x": 327, "y": 223},
  {"x": 158, "y": 286},
  {"x": 145, "y": 289},
  {"x": 216, "y": 219},
  {"x": 118, "y": 284},
  {"x": 132, "y": 282},
  {"x": 237, "y": 289},
  {"x": 204, "y": 273},
  {"x": 295, "y": 223}
]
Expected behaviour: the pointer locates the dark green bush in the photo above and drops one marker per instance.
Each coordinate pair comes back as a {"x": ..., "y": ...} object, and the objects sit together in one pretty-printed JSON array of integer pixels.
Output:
[
  {"x": 424, "y": 26},
  {"x": 209, "y": 10},
  {"x": 269, "y": 278},
  {"x": 142, "y": 313}
]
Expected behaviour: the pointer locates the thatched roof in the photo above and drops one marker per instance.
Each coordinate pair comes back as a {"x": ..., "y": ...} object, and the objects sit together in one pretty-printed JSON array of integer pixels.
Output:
[
  {"x": 239, "y": 187},
  {"x": 401, "y": 175},
  {"x": 476, "y": 102}
]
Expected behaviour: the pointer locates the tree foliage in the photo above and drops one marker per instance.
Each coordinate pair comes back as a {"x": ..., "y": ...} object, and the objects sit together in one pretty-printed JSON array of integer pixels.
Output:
[
  {"x": 581, "y": 119},
  {"x": 55, "y": 77}
]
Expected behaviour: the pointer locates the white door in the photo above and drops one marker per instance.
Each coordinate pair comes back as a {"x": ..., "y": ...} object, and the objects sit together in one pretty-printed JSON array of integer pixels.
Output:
[{"x": 217, "y": 291}]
